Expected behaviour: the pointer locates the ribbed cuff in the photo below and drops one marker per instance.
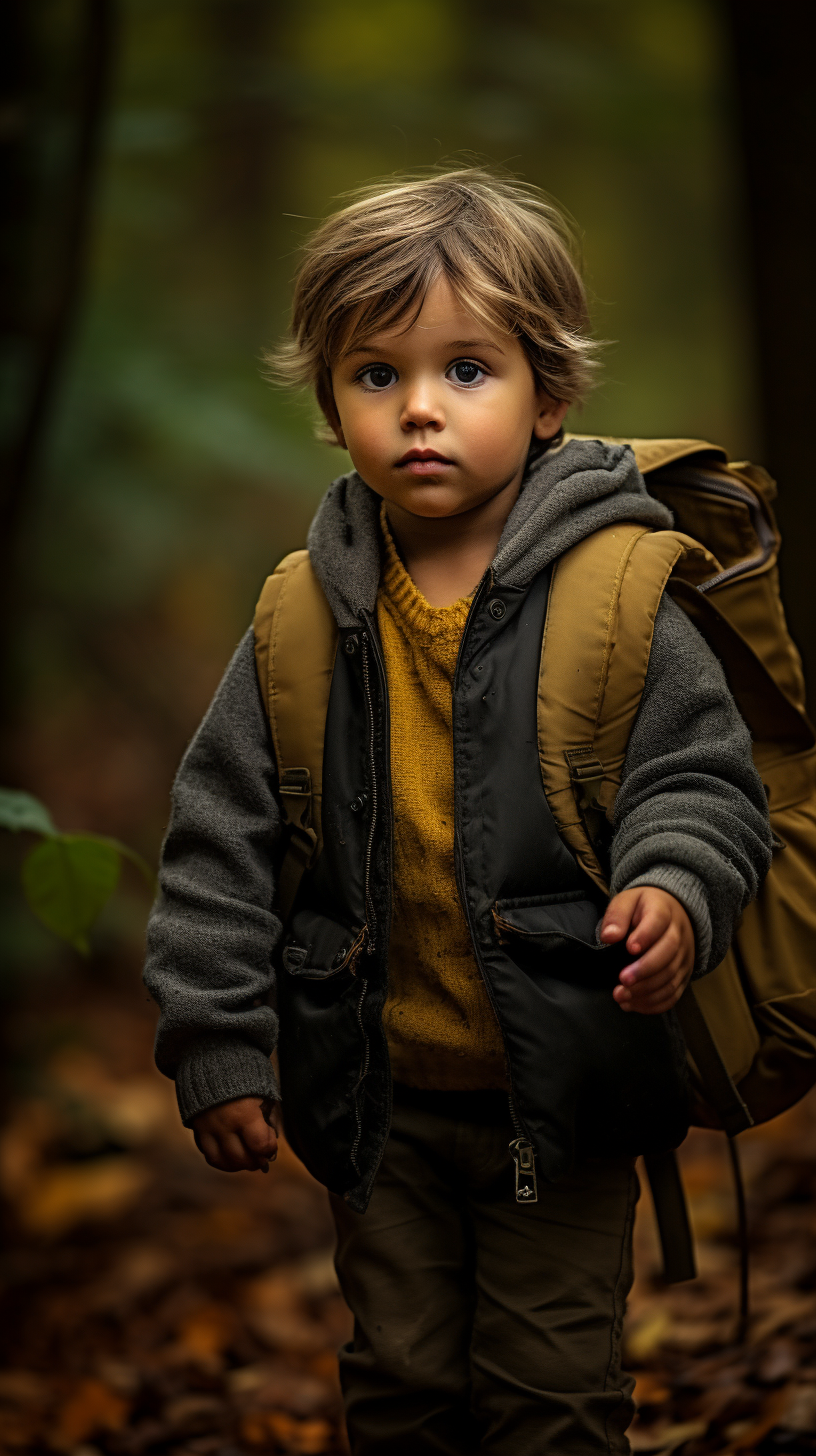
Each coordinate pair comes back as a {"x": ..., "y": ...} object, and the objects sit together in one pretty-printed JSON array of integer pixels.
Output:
[
  {"x": 688, "y": 889},
  {"x": 219, "y": 1069}
]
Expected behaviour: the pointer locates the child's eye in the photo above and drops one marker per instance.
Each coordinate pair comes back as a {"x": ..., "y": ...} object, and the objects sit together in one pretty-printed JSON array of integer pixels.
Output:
[
  {"x": 378, "y": 376},
  {"x": 464, "y": 371}
]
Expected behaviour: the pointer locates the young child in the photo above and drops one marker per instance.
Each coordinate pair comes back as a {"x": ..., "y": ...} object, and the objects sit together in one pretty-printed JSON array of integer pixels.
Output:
[{"x": 443, "y": 325}]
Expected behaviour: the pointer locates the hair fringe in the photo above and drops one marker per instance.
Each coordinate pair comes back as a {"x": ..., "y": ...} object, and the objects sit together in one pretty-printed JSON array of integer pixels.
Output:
[{"x": 511, "y": 255}]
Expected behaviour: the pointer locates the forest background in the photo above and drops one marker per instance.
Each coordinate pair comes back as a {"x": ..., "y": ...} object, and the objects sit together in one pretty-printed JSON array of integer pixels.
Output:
[
  {"x": 163, "y": 161},
  {"x": 166, "y": 160}
]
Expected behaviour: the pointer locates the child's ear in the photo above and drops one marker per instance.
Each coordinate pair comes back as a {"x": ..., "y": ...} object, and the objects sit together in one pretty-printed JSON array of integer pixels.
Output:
[{"x": 550, "y": 415}]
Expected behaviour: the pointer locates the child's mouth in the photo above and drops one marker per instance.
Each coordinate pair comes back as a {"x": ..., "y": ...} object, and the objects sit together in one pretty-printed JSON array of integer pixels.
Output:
[{"x": 423, "y": 462}]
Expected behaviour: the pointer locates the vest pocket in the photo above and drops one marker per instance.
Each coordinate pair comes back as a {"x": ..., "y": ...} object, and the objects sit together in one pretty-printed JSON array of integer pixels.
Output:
[
  {"x": 322, "y": 1045},
  {"x": 614, "y": 1079},
  {"x": 560, "y": 928},
  {"x": 317, "y": 948}
]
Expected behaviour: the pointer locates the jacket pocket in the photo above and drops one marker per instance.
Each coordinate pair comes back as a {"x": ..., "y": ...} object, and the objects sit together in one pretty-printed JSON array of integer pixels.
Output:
[
  {"x": 560, "y": 929},
  {"x": 569, "y": 917},
  {"x": 321, "y": 1048},
  {"x": 316, "y": 948},
  {"x": 617, "y": 1078}
]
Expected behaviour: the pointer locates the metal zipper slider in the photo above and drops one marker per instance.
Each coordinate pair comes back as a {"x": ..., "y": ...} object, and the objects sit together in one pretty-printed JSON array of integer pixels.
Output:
[{"x": 524, "y": 1159}]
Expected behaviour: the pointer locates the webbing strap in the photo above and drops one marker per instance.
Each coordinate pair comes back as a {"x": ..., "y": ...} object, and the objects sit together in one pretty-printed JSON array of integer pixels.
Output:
[
  {"x": 718, "y": 1085},
  {"x": 671, "y": 1212}
]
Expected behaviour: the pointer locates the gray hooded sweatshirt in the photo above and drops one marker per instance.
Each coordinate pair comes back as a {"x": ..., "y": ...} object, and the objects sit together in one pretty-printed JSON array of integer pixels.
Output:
[{"x": 690, "y": 817}]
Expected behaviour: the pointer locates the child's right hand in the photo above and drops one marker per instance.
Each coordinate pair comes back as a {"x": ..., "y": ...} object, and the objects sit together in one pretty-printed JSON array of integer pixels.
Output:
[{"x": 239, "y": 1135}]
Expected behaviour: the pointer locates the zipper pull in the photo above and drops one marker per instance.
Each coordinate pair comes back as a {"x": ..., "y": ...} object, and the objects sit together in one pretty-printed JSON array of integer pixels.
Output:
[{"x": 524, "y": 1159}]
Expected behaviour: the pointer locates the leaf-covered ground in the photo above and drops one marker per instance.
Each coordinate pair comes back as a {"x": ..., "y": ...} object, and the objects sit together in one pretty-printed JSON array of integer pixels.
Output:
[{"x": 154, "y": 1306}]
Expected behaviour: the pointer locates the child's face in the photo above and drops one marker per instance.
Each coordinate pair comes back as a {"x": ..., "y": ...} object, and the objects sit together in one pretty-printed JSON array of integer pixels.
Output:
[{"x": 438, "y": 418}]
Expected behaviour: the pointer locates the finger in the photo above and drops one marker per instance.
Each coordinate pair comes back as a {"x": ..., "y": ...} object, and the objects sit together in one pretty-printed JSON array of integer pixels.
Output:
[
  {"x": 653, "y": 922},
  {"x": 662, "y": 954},
  {"x": 649, "y": 987},
  {"x": 618, "y": 917},
  {"x": 662, "y": 1000},
  {"x": 211, "y": 1149},
  {"x": 678, "y": 968},
  {"x": 645, "y": 995},
  {"x": 235, "y": 1155},
  {"x": 656, "y": 997},
  {"x": 259, "y": 1139}
]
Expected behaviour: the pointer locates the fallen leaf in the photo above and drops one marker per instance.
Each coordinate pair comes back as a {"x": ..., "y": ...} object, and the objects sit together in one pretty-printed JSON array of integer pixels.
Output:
[
  {"x": 69, "y": 1194},
  {"x": 662, "y": 1438},
  {"x": 798, "y": 1413},
  {"x": 23, "y": 1387},
  {"x": 777, "y": 1362},
  {"x": 290, "y": 1391},
  {"x": 195, "y": 1413},
  {"x": 647, "y": 1334},
  {"x": 93, "y": 1407},
  {"x": 310, "y": 1438},
  {"x": 650, "y": 1388},
  {"x": 205, "y": 1334},
  {"x": 285, "y": 1330},
  {"x": 142, "y": 1269},
  {"x": 750, "y": 1438}
]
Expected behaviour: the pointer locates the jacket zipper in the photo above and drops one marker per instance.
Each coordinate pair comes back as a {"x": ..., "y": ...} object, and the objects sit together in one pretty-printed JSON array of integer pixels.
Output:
[
  {"x": 368, "y": 643},
  {"x": 521, "y": 1147},
  {"x": 372, "y": 769},
  {"x": 524, "y": 1158}
]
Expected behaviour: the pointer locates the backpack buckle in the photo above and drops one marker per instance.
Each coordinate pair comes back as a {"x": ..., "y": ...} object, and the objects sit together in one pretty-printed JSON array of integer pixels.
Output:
[
  {"x": 297, "y": 781},
  {"x": 295, "y": 790},
  {"x": 587, "y": 773}
]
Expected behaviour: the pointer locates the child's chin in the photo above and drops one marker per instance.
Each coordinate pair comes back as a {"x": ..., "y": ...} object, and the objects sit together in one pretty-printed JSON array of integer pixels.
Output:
[{"x": 435, "y": 499}]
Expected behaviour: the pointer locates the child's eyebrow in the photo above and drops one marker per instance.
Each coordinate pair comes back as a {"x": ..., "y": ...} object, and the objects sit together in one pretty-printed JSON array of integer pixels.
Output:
[
  {"x": 475, "y": 344},
  {"x": 371, "y": 346}
]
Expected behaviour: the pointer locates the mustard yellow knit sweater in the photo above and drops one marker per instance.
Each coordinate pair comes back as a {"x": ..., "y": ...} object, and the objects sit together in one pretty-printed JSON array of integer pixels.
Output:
[{"x": 442, "y": 1032}]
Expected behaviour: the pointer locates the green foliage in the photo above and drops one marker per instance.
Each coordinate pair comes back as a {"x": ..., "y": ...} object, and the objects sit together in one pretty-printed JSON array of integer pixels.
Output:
[
  {"x": 67, "y": 878},
  {"x": 22, "y": 811}
]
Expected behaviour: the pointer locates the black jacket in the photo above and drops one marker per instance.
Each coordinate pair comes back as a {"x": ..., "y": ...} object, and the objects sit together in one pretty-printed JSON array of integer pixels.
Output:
[{"x": 580, "y": 1068}]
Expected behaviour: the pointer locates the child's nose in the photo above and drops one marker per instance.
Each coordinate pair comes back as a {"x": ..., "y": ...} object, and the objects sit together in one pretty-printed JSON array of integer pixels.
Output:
[{"x": 422, "y": 409}]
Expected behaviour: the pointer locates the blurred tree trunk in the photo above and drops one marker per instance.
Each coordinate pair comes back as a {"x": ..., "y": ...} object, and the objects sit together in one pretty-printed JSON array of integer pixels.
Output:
[
  {"x": 245, "y": 128},
  {"x": 55, "y": 82},
  {"x": 777, "y": 123}
]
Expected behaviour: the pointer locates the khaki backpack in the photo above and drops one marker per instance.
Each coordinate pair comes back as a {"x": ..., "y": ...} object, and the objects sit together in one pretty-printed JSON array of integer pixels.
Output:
[{"x": 750, "y": 1025}]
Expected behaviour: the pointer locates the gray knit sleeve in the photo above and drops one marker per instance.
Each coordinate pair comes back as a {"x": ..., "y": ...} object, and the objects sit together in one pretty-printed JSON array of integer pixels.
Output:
[
  {"x": 212, "y": 930},
  {"x": 691, "y": 815}
]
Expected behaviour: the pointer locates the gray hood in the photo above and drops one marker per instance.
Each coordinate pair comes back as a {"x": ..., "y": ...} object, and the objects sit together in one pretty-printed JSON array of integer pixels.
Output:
[{"x": 567, "y": 494}]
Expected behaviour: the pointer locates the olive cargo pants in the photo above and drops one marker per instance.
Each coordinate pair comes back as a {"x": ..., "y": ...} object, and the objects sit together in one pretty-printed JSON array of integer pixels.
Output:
[{"x": 482, "y": 1324}]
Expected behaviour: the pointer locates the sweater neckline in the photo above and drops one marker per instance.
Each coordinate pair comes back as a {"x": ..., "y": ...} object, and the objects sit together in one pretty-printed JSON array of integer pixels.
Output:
[{"x": 401, "y": 591}]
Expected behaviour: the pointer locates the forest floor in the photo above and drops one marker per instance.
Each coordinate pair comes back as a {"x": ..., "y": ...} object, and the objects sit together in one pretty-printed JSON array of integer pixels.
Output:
[{"x": 153, "y": 1307}]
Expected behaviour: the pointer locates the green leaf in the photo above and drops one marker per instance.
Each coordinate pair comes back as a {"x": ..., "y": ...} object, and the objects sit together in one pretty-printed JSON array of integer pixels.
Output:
[
  {"x": 23, "y": 811},
  {"x": 67, "y": 880}
]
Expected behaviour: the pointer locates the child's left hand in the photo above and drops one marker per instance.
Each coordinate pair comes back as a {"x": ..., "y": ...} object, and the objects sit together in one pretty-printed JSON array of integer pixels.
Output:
[{"x": 663, "y": 940}]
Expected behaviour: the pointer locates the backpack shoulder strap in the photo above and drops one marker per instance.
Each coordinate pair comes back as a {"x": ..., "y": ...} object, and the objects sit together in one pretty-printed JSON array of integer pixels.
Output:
[
  {"x": 603, "y": 600},
  {"x": 295, "y": 645},
  {"x": 595, "y": 651}
]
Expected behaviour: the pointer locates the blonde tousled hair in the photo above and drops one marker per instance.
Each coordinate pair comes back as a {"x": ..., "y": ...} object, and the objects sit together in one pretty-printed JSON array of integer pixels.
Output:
[{"x": 509, "y": 254}]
